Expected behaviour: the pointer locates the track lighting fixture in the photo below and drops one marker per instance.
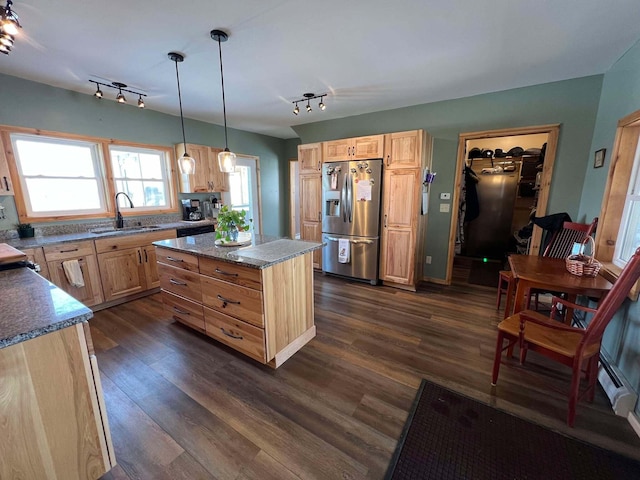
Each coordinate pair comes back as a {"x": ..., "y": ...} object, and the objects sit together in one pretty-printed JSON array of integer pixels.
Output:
[
  {"x": 9, "y": 27},
  {"x": 308, "y": 97},
  {"x": 186, "y": 163},
  {"x": 120, "y": 98},
  {"x": 226, "y": 158}
]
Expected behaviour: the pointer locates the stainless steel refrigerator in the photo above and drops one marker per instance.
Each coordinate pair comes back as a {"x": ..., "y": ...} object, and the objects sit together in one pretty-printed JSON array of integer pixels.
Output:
[{"x": 351, "y": 194}]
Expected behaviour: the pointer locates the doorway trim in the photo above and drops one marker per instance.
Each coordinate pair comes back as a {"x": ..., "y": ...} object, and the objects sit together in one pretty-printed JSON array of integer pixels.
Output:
[
  {"x": 553, "y": 132},
  {"x": 293, "y": 196}
]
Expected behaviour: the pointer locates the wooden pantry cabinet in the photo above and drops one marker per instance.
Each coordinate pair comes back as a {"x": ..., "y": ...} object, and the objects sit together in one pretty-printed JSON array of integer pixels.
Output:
[
  {"x": 207, "y": 177},
  {"x": 54, "y": 417},
  {"x": 403, "y": 224},
  {"x": 6, "y": 186},
  {"x": 358, "y": 148},
  {"x": 84, "y": 252},
  {"x": 310, "y": 194},
  {"x": 265, "y": 314},
  {"x": 128, "y": 264}
]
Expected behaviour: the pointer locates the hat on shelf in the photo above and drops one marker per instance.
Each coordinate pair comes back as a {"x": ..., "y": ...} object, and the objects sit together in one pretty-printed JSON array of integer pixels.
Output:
[
  {"x": 515, "y": 152},
  {"x": 475, "y": 153},
  {"x": 487, "y": 153},
  {"x": 499, "y": 153},
  {"x": 532, "y": 151}
]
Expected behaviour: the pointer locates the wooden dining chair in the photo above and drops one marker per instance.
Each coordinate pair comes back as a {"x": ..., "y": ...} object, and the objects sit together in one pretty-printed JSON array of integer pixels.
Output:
[{"x": 575, "y": 347}]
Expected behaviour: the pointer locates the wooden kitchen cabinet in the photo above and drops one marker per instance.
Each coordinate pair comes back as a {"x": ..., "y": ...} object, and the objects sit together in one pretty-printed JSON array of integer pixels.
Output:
[
  {"x": 54, "y": 417},
  {"x": 128, "y": 264},
  {"x": 358, "y": 148},
  {"x": 310, "y": 158},
  {"x": 6, "y": 186},
  {"x": 403, "y": 225},
  {"x": 36, "y": 255},
  {"x": 310, "y": 190},
  {"x": 207, "y": 177},
  {"x": 403, "y": 149},
  {"x": 84, "y": 252},
  {"x": 243, "y": 307}
]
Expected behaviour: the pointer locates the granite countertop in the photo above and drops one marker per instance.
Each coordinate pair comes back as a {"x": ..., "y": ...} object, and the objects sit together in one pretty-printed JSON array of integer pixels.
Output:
[
  {"x": 40, "y": 241},
  {"x": 262, "y": 251},
  {"x": 31, "y": 306}
]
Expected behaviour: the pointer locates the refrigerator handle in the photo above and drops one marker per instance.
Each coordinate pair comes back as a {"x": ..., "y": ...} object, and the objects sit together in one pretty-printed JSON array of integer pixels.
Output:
[
  {"x": 350, "y": 197},
  {"x": 343, "y": 198}
]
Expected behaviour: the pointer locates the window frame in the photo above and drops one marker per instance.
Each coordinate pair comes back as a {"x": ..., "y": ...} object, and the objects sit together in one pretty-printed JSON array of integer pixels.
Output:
[
  {"x": 108, "y": 181},
  {"x": 619, "y": 179}
]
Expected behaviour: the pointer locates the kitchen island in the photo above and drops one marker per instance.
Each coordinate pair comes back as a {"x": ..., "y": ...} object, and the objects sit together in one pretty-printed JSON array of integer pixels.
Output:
[
  {"x": 53, "y": 421},
  {"x": 256, "y": 298}
]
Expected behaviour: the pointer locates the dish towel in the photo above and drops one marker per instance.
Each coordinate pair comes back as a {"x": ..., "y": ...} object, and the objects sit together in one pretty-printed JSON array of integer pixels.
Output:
[
  {"x": 344, "y": 248},
  {"x": 73, "y": 272}
]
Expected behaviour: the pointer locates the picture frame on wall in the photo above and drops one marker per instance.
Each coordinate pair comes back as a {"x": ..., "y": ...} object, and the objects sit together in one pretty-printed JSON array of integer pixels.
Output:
[{"x": 598, "y": 160}]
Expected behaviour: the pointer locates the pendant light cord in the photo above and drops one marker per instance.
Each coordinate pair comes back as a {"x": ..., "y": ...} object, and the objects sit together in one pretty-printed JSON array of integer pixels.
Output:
[
  {"x": 224, "y": 106},
  {"x": 184, "y": 141}
]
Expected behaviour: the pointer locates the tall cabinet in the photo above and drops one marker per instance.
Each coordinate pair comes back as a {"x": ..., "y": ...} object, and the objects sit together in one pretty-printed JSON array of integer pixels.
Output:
[
  {"x": 310, "y": 191},
  {"x": 406, "y": 154},
  {"x": 207, "y": 177}
]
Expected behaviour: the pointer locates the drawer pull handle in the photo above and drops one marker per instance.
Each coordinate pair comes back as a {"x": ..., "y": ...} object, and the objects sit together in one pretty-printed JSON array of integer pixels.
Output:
[
  {"x": 146, "y": 257},
  {"x": 237, "y": 337},
  {"x": 175, "y": 282},
  {"x": 222, "y": 272},
  {"x": 225, "y": 301},
  {"x": 69, "y": 251},
  {"x": 171, "y": 259},
  {"x": 181, "y": 311}
]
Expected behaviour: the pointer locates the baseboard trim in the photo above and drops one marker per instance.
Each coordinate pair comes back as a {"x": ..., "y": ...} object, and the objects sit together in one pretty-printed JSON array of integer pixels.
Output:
[{"x": 439, "y": 281}]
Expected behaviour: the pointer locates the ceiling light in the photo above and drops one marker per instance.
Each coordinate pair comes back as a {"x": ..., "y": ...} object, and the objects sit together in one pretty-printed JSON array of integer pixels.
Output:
[
  {"x": 5, "y": 49},
  {"x": 121, "y": 87},
  {"x": 6, "y": 39},
  {"x": 9, "y": 22},
  {"x": 226, "y": 158},
  {"x": 308, "y": 97},
  {"x": 186, "y": 163}
]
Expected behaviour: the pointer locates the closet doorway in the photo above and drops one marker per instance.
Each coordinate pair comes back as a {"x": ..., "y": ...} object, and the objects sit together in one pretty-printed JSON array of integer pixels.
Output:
[{"x": 508, "y": 173}]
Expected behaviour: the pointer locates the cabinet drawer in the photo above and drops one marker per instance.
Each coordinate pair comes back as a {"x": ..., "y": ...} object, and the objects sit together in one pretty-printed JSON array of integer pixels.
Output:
[
  {"x": 181, "y": 282},
  {"x": 235, "y": 300},
  {"x": 230, "y": 272},
  {"x": 184, "y": 310},
  {"x": 131, "y": 241},
  {"x": 177, "y": 259},
  {"x": 235, "y": 333},
  {"x": 64, "y": 251}
]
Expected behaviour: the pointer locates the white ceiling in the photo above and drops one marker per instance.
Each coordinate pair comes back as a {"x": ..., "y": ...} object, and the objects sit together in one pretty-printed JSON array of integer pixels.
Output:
[{"x": 368, "y": 55}]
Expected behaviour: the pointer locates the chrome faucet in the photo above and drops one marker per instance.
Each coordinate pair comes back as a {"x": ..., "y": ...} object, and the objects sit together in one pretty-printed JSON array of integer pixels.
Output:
[{"x": 119, "y": 219}]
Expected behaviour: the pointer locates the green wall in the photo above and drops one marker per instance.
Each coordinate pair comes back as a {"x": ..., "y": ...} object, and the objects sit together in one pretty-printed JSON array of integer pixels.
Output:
[
  {"x": 620, "y": 97},
  {"x": 572, "y": 103},
  {"x": 35, "y": 105}
]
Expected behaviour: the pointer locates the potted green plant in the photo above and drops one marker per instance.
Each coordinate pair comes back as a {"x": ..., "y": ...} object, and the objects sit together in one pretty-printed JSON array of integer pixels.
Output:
[
  {"x": 25, "y": 230},
  {"x": 230, "y": 222}
]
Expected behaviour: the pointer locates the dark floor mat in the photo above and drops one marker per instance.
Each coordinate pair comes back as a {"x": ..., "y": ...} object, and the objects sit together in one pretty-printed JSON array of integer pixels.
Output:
[
  {"x": 485, "y": 273},
  {"x": 450, "y": 436}
]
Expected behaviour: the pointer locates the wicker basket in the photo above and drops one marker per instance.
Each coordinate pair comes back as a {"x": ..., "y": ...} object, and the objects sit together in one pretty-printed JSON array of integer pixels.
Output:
[{"x": 584, "y": 265}]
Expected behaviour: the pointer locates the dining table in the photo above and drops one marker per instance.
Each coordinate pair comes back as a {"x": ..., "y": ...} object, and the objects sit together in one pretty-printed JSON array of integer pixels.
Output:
[{"x": 551, "y": 275}]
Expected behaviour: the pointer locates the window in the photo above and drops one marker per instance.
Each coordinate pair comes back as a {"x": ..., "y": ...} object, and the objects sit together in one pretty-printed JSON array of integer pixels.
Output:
[
  {"x": 59, "y": 176},
  {"x": 243, "y": 189},
  {"x": 66, "y": 177},
  {"x": 618, "y": 233},
  {"x": 142, "y": 175}
]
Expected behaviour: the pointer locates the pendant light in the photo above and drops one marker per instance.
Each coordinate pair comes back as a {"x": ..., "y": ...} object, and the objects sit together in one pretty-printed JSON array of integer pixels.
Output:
[
  {"x": 186, "y": 163},
  {"x": 226, "y": 158}
]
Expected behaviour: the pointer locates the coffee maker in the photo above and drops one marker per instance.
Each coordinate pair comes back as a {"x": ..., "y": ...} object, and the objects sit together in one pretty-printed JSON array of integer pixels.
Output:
[{"x": 191, "y": 210}]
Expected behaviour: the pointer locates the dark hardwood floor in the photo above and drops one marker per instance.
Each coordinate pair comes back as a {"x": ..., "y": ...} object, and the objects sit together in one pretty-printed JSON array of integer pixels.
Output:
[{"x": 182, "y": 406}]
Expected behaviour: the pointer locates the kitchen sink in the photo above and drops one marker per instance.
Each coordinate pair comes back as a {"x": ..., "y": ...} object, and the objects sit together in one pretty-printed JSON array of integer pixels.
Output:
[{"x": 140, "y": 228}]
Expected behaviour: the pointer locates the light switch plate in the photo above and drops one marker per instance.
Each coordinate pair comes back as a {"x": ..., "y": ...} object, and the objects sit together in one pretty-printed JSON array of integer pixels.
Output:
[
  {"x": 445, "y": 196},
  {"x": 444, "y": 207}
]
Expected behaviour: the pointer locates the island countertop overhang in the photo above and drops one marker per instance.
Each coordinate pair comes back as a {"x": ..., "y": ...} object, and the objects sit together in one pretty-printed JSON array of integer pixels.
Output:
[{"x": 263, "y": 251}]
